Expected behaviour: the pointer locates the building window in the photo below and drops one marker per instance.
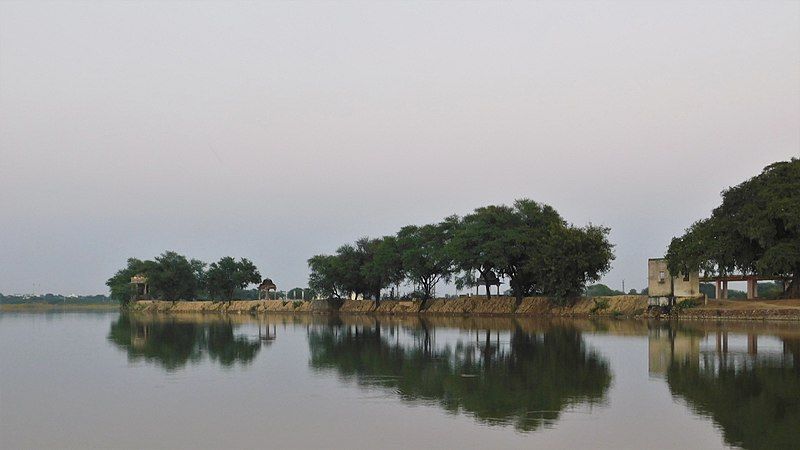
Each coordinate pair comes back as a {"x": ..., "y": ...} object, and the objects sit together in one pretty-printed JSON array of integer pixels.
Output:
[
  {"x": 686, "y": 277},
  {"x": 661, "y": 276}
]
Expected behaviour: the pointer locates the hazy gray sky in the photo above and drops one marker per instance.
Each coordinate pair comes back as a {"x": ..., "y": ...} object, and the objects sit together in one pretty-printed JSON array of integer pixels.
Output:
[{"x": 275, "y": 131}]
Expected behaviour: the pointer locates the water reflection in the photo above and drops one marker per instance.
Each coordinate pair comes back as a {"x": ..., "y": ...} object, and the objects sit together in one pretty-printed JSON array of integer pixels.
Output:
[
  {"x": 173, "y": 342},
  {"x": 749, "y": 384},
  {"x": 508, "y": 371},
  {"x": 523, "y": 378}
]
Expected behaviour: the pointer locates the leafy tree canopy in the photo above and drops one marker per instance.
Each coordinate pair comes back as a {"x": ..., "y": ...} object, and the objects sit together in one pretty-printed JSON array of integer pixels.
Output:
[
  {"x": 756, "y": 230},
  {"x": 225, "y": 276},
  {"x": 424, "y": 257}
]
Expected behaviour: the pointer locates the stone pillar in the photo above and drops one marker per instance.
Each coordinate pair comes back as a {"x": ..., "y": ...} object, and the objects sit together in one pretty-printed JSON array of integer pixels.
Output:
[
  {"x": 725, "y": 289},
  {"x": 718, "y": 290}
]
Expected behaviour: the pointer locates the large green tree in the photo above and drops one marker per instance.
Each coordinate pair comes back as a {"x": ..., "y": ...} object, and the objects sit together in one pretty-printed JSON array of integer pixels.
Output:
[
  {"x": 381, "y": 265},
  {"x": 327, "y": 276},
  {"x": 756, "y": 230},
  {"x": 534, "y": 247},
  {"x": 227, "y": 275},
  {"x": 479, "y": 245},
  {"x": 175, "y": 277},
  {"x": 362, "y": 269},
  {"x": 424, "y": 257}
]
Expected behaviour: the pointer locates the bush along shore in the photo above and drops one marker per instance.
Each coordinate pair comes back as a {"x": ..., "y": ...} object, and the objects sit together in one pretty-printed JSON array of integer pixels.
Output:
[{"x": 626, "y": 306}]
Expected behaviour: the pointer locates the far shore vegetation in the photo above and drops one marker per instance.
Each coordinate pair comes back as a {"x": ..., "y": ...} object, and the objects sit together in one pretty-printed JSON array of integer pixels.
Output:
[
  {"x": 47, "y": 301},
  {"x": 756, "y": 231},
  {"x": 529, "y": 244}
]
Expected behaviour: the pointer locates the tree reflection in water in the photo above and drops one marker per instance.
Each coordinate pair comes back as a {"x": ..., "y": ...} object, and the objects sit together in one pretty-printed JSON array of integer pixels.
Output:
[
  {"x": 527, "y": 383},
  {"x": 753, "y": 397},
  {"x": 172, "y": 344}
]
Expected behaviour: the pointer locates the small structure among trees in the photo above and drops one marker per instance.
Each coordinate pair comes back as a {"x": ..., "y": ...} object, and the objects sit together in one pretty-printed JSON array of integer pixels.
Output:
[
  {"x": 140, "y": 287},
  {"x": 754, "y": 233},
  {"x": 264, "y": 288}
]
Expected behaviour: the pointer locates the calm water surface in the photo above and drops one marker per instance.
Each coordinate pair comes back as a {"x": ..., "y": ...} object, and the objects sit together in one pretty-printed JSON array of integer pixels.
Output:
[{"x": 106, "y": 380}]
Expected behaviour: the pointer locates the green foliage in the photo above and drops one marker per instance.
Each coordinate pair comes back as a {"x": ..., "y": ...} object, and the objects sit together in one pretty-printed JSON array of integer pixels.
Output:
[
  {"x": 361, "y": 269},
  {"x": 174, "y": 277},
  {"x": 599, "y": 306},
  {"x": 480, "y": 242},
  {"x": 423, "y": 257},
  {"x": 56, "y": 299},
  {"x": 770, "y": 290},
  {"x": 225, "y": 276},
  {"x": 529, "y": 243},
  {"x": 755, "y": 230},
  {"x": 600, "y": 290},
  {"x": 533, "y": 246},
  {"x": 328, "y": 276},
  {"x": 380, "y": 264},
  {"x": 120, "y": 283},
  {"x": 687, "y": 304}
]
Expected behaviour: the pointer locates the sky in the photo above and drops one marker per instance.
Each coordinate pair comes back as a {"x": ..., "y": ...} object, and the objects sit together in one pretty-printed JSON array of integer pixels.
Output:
[{"x": 277, "y": 131}]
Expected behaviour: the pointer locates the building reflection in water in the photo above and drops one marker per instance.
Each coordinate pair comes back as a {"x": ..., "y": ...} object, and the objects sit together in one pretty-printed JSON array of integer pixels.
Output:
[{"x": 748, "y": 382}]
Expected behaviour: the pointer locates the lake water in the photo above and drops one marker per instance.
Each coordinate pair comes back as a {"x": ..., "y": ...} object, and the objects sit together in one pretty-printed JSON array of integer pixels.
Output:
[{"x": 106, "y": 380}]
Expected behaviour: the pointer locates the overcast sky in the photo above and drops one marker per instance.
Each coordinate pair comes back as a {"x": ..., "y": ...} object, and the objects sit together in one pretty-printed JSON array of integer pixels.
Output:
[{"x": 276, "y": 131}]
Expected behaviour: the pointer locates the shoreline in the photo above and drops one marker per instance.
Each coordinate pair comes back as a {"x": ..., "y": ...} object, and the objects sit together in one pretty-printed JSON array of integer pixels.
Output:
[
  {"x": 623, "y": 306},
  {"x": 34, "y": 307}
]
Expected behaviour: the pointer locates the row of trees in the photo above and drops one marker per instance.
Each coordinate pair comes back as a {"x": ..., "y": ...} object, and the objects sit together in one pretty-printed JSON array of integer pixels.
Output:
[
  {"x": 529, "y": 243},
  {"x": 172, "y": 277},
  {"x": 756, "y": 230}
]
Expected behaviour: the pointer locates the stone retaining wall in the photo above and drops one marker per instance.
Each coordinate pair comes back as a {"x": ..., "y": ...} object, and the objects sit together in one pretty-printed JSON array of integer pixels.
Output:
[{"x": 628, "y": 305}]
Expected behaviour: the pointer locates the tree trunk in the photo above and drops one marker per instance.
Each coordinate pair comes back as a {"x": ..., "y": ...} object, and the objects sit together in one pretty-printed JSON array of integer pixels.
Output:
[
  {"x": 518, "y": 296},
  {"x": 793, "y": 291}
]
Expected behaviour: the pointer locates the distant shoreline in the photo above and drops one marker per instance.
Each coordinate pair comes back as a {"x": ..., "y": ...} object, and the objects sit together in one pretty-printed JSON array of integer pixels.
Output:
[
  {"x": 23, "y": 307},
  {"x": 623, "y": 306}
]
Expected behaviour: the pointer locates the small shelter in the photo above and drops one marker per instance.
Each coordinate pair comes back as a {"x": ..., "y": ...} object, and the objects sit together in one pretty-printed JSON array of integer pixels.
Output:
[
  {"x": 264, "y": 288},
  {"x": 491, "y": 280},
  {"x": 140, "y": 287}
]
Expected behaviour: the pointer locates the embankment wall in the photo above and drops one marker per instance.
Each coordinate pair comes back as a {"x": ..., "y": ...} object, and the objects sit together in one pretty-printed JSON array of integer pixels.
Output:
[{"x": 628, "y": 305}]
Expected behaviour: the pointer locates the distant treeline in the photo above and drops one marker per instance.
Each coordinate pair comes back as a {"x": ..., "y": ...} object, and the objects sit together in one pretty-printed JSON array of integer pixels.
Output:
[
  {"x": 528, "y": 243},
  {"x": 172, "y": 276},
  {"x": 56, "y": 299}
]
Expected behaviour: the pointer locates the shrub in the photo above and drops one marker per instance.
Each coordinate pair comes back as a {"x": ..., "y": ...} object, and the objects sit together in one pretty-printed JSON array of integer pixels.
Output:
[
  {"x": 687, "y": 303},
  {"x": 599, "y": 305}
]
